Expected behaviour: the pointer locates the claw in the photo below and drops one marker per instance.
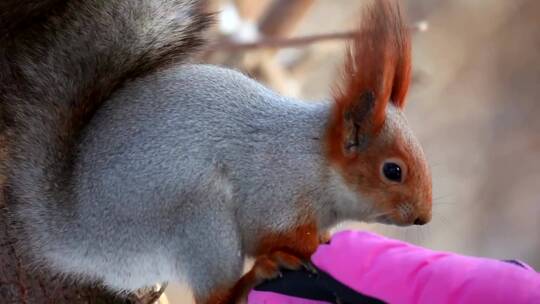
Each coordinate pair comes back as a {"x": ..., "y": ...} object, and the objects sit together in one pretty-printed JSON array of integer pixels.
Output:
[{"x": 309, "y": 267}]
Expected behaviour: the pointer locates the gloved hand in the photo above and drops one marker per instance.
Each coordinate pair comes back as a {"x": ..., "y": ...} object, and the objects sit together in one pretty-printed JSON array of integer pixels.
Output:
[{"x": 361, "y": 267}]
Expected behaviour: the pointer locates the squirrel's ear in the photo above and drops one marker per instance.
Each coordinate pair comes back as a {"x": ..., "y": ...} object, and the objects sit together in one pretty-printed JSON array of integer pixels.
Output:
[
  {"x": 376, "y": 72},
  {"x": 358, "y": 122}
]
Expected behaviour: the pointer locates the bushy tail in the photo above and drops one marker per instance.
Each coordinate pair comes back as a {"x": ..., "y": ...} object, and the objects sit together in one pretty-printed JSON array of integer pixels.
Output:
[{"x": 61, "y": 61}]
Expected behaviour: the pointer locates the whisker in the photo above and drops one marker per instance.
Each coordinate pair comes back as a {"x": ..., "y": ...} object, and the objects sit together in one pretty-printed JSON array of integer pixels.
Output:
[
  {"x": 417, "y": 235},
  {"x": 424, "y": 232},
  {"x": 441, "y": 216},
  {"x": 374, "y": 216},
  {"x": 444, "y": 196},
  {"x": 444, "y": 204}
]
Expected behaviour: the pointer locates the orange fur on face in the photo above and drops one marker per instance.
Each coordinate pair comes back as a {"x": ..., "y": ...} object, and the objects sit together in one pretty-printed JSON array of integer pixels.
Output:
[
  {"x": 363, "y": 175},
  {"x": 377, "y": 72}
]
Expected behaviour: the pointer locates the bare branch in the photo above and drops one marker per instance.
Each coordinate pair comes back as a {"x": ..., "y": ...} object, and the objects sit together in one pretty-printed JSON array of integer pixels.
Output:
[{"x": 228, "y": 46}]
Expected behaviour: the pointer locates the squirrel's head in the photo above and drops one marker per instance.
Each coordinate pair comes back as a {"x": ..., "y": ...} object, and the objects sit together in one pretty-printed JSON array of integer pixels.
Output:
[{"x": 368, "y": 141}]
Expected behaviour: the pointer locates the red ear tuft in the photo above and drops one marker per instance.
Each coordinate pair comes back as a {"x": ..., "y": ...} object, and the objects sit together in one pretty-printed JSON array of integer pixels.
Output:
[
  {"x": 378, "y": 61},
  {"x": 402, "y": 77}
]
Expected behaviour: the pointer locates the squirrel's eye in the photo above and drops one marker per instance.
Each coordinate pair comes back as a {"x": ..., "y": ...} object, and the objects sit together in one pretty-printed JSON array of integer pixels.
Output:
[{"x": 392, "y": 171}]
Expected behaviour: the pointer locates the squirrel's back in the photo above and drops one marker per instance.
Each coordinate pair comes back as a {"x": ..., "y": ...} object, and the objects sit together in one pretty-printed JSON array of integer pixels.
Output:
[{"x": 186, "y": 123}]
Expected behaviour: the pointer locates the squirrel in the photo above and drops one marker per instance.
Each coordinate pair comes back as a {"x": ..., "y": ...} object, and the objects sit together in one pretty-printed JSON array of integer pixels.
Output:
[{"x": 127, "y": 165}]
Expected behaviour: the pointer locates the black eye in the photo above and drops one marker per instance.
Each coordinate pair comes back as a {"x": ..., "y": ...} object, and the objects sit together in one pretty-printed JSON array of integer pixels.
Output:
[{"x": 392, "y": 171}]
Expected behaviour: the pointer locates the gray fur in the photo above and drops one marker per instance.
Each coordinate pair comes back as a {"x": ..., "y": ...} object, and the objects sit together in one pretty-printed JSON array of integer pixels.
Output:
[{"x": 202, "y": 158}]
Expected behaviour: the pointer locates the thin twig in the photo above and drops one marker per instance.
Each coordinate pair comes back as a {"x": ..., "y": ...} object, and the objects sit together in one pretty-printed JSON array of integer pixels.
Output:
[
  {"x": 281, "y": 42},
  {"x": 294, "y": 42}
]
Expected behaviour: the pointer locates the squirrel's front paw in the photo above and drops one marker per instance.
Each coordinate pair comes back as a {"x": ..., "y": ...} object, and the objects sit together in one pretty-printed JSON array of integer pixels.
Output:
[
  {"x": 269, "y": 266},
  {"x": 266, "y": 267}
]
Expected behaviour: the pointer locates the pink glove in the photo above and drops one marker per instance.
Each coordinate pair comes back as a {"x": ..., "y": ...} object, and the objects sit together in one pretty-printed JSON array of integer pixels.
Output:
[{"x": 374, "y": 269}]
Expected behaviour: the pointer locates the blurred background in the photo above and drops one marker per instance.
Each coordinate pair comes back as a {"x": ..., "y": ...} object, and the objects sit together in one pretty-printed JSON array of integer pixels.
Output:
[{"x": 474, "y": 104}]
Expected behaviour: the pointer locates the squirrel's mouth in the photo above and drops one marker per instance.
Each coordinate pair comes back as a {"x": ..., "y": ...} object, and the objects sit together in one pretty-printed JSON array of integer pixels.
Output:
[
  {"x": 385, "y": 219},
  {"x": 389, "y": 220},
  {"x": 398, "y": 218}
]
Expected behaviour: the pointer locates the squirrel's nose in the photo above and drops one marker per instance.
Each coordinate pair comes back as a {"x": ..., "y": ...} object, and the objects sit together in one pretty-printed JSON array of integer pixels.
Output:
[
  {"x": 423, "y": 218},
  {"x": 423, "y": 215},
  {"x": 420, "y": 221}
]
